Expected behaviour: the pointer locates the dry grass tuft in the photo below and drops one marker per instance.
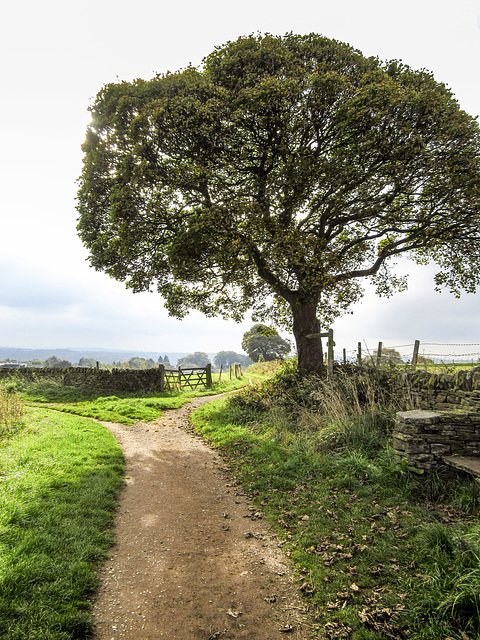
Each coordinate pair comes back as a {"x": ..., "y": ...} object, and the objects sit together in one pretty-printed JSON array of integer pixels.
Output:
[{"x": 12, "y": 408}]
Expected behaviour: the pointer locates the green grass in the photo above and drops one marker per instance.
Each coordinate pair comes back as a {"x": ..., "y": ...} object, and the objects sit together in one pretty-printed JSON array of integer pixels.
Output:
[
  {"x": 12, "y": 408},
  {"x": 123, "y": 408},
  {"x": 59, "y": 479},
  {"x": 380, "y": 550},
  {"x": 263, "y": 370},
  {"x": 447, "y": 367}
]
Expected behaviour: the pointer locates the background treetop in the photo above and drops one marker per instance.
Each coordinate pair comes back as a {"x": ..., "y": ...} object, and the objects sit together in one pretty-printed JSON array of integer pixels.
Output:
[
  {"x": 197, "y": 359},
  {"x": 264, "y": 343},
  {"x": 227, "y": 358},
  {"x": 275, "y": 178}
]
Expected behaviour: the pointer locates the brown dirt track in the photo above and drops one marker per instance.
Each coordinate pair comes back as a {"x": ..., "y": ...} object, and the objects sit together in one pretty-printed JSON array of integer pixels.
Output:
[{"x": 193, "y": 560}]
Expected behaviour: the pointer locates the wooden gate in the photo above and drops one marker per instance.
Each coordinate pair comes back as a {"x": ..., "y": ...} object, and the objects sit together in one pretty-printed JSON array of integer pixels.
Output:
[{"x": 188, "y": 378}]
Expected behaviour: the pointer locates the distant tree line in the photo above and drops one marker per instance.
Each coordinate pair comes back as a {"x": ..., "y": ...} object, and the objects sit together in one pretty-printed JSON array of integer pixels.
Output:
[{"x": 261, "y": 343}]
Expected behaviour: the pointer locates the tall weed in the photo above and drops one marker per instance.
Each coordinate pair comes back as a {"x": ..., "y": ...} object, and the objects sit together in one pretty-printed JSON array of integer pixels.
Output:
[
  {"x": 453, "y": 565},
  {"x": 348, "y": 409},
  {"x": 11, "y": 408}
]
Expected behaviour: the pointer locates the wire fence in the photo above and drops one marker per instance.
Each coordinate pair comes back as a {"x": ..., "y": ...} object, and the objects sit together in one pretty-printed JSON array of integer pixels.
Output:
[{"x": 437, "y": 352}]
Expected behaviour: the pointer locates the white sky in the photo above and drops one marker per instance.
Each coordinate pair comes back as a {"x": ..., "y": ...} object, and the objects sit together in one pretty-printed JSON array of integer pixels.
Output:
[{"x": 56, "y": 55}]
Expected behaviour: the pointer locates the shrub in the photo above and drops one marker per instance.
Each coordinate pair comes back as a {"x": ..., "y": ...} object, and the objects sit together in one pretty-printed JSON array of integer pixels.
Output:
[{"x": 312, "y": 402}]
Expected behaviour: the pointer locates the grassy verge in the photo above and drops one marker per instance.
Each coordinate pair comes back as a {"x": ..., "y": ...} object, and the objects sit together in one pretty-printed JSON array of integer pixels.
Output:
[
  {"x": 59, "y": 478},
  {"x": 381, "y": 552},
  {"x": 123, "y": 408}
]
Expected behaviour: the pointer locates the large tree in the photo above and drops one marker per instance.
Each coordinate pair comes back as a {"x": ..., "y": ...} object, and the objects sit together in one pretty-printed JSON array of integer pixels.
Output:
[
  {"x": 227, "y": 358},
  {"x": 275, "y": 178},
  {"x": 198, "y": 359},
  {"x": 262, "y": 342}
]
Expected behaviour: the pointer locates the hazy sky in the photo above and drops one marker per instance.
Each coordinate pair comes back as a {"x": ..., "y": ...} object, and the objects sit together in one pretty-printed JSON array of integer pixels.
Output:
[{"x": 56, "y": 55}]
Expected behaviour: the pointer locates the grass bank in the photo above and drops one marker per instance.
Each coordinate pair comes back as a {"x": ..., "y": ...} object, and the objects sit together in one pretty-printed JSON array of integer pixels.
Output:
[
  {"x": 380, "y": 551},
  {"x": 124, "y": 408},
  {"x": 59, "y": 479}
]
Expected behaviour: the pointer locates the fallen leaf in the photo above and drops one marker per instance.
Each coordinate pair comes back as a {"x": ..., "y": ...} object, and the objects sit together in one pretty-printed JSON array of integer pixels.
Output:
[{"x": 307, "y": 588}]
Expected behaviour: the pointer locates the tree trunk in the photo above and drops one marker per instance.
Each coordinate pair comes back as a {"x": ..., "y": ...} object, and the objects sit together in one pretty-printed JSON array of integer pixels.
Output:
[{"x": 306, "y": 329}]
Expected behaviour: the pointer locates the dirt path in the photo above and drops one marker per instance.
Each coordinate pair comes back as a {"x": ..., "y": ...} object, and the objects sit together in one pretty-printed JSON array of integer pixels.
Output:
[{"x": 193, "y": 559}]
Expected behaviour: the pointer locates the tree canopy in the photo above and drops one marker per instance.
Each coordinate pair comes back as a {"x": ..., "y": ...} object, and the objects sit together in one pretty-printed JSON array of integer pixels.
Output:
[
  {"x": 136, "y": 362},
  {"x": 387, "y": 356},
  {"x": 275, "y": 178},
  {"x": 264, "y": 343},
  {"x": 227, "y": 358},
  {"x": 55, "y": 361},
  {"x": 87, "y": 362},
  {"x": 197, "y": 359}
]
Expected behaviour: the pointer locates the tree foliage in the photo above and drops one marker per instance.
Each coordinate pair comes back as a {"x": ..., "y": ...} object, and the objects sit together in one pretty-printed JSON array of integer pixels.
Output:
[
  {"x": 227, "y": 358},
  {"x": 275, "y": 178},
  {"x": 136, "y": 362},
  {"x": 87, "y": 362},
  {"x": 387, "y": 356},
  {"x": 263, "y": 344},
  {"x": 55, "y": 361},
  {"x": 197, "y": 359}
]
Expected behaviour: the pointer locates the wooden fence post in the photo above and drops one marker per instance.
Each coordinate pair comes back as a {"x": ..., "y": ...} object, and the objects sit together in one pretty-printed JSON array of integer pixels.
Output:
[
  {"x": 416, "y": 348},
  {"x": 180, "y": 377},
  {"x": 208, "y": 371},
  {"x": 344, "y": 356},
  {"x": 359, "y": 353},
  {"x": 379, "y": 353},
  {"x": 330, "y": 346},
  {"x": 220, "y": 374},
  {"x": 162, "y": 377}
]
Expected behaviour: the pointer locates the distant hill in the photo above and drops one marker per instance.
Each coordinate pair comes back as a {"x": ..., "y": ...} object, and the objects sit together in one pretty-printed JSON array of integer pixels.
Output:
[{"x": 102, "y": 355}]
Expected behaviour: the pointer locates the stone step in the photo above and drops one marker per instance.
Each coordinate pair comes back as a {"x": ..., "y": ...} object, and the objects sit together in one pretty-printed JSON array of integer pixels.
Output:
[{"x": 469, "y": 464}]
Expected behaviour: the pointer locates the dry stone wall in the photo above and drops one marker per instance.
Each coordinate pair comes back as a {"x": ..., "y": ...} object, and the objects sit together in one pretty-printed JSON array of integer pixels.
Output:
[
  {"x": 425, "y": 438},
  {"x": 444, "y": 419},
  {"x": 101, "y": 381},
  {"x": 440, "y": 392}
]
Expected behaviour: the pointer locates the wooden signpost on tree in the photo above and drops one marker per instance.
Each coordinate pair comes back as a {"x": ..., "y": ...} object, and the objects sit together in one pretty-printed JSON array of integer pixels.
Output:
[{"x": 275, "y": 178}]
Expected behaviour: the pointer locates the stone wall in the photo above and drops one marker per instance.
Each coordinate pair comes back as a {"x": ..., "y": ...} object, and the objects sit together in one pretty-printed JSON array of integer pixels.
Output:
[
  {"x": 101, "y": 381},
  {"x": 424, "y": 438},
  {"x": 439, "y": 392},
  {"x": 444, "y": 415}
]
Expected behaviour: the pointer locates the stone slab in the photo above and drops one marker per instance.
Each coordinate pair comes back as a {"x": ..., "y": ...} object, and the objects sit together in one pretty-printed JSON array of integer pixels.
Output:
[{"x": 470, "y": 464}]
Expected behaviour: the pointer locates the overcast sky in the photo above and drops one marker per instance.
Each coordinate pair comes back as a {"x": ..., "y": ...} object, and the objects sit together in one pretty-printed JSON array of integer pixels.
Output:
[{"x": 56, "y": 55}]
